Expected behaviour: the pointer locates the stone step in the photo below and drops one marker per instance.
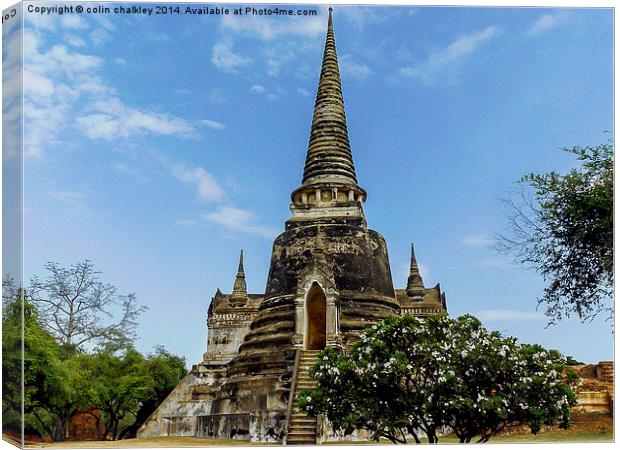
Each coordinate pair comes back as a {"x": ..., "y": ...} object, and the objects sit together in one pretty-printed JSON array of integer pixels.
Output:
[
  {"x": 303, "y": 434},
  {"x": 302, "y": 426},
  {"x": 303, "y": 420},
  {"x": 299, "y": 417}
]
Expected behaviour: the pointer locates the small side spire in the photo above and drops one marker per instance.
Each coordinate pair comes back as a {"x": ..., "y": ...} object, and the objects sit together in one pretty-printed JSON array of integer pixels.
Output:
[
  {"x": 239, "y": 296},
  {"x": 415, "y": 285}
]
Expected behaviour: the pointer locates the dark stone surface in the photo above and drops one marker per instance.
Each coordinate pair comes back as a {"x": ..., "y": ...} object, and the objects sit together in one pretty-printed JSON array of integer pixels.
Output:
[{"x": 355, "y": 256}]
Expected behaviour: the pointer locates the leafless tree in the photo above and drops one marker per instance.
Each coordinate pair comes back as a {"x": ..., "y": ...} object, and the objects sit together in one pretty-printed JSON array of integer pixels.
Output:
[
  {"x": 9, "y": 290},
  {"x": 80, "y": 309}
]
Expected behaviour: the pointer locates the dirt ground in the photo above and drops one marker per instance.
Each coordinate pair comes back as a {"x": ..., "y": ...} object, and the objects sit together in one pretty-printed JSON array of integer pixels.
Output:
[{"x": 584, "y": 428}]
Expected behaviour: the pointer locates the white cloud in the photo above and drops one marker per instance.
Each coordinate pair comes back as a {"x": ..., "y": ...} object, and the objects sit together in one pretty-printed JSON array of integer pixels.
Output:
[
  {"x": 129, "y": 170},
  {"x": 185, "y": 222},
  {"x": 113, "y": 119},
  {"x": 46, "y": 107},
  {"x": 104, "y": 21},
  {"x": 72, "y": 198},
  {"x": 277, "y": 54},
  {"x": 58, "y": 59},
  {"x": 73, "y": 22},
  {"x": 258, "y": 89},
  {"x": 476, "y": 240},
  {"x": 216, "y": 96},
  {"x": 268, "y": 28},
  {"x": 546, "y": 22},
  {"x": 361, "y": 16},
  {"x": 353, "y": 68},
  {"x": 120, "y": 61},
  {"x": 507, "y": 315},
  {"x": 494, "y": 263},
  {"x": 156, "y": 37},
  {"x": 74, "y": 40},
  {"x": 100, "y": 36},
  {"x": 239, "y": 220},
  {"x": 441, "y": 59},
  {"x": 212, "y": 124},
  {"x": 56, "y": 81},
  {"x": 303, "y": 92},
  {"x": 41, "y": 21},
  {"x": 38, "y": 85},
  {"x": 226, "y": 59},
  {"x": 206, "y": 184}
]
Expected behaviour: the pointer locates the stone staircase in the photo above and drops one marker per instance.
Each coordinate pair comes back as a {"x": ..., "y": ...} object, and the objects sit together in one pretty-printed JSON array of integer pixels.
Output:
[
  {"x": 302, "y": 427},
  {"x": 605, "y": 371}
]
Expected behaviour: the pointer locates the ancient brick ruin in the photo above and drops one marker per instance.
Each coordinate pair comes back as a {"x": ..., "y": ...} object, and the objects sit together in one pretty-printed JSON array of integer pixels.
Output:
[{"x": 329, "y": 278}]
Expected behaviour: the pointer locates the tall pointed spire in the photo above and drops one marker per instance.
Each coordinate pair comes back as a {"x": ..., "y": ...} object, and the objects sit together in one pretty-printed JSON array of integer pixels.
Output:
[
  {"x": 329, "y": 189},
  {"x": 415, "y": 285},
  {"x": 239, "y": 296},
  {"x": 329, "y": 156}
]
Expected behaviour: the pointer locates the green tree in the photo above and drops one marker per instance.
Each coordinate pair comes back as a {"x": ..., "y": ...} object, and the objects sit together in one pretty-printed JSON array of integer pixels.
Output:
[
  {"x": 408, "y": 378},
  {"x": 118, "y": 386},
  {"x": 166, "y": 371},
  {"x": 113, "y": 382},
  {"x": 562, "y": 226},
  {"x": 53, "y": 386},
  {"x": 127, "y": 387}
]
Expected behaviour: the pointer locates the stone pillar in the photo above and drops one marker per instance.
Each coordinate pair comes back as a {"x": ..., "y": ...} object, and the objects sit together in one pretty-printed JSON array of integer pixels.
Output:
[
  {"x": 298, "y": 337},
  {"x": 331, "y": 321}
]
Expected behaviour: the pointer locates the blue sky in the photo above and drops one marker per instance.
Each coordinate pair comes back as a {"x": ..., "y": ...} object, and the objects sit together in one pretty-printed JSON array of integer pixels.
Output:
[{"x": 159, "y": 146}]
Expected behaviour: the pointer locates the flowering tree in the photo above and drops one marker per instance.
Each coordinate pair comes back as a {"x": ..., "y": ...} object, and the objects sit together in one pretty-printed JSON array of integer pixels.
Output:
[{"x": 409, "y": 377}]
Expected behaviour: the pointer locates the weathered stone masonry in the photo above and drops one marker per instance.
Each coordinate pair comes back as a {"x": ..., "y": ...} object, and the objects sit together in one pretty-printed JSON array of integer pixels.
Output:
[{"x": 329, "y": 278}]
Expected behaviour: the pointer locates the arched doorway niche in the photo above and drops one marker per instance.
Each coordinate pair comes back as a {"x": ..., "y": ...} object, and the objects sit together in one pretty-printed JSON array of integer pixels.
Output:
[{"x": 315, "y": 336}]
